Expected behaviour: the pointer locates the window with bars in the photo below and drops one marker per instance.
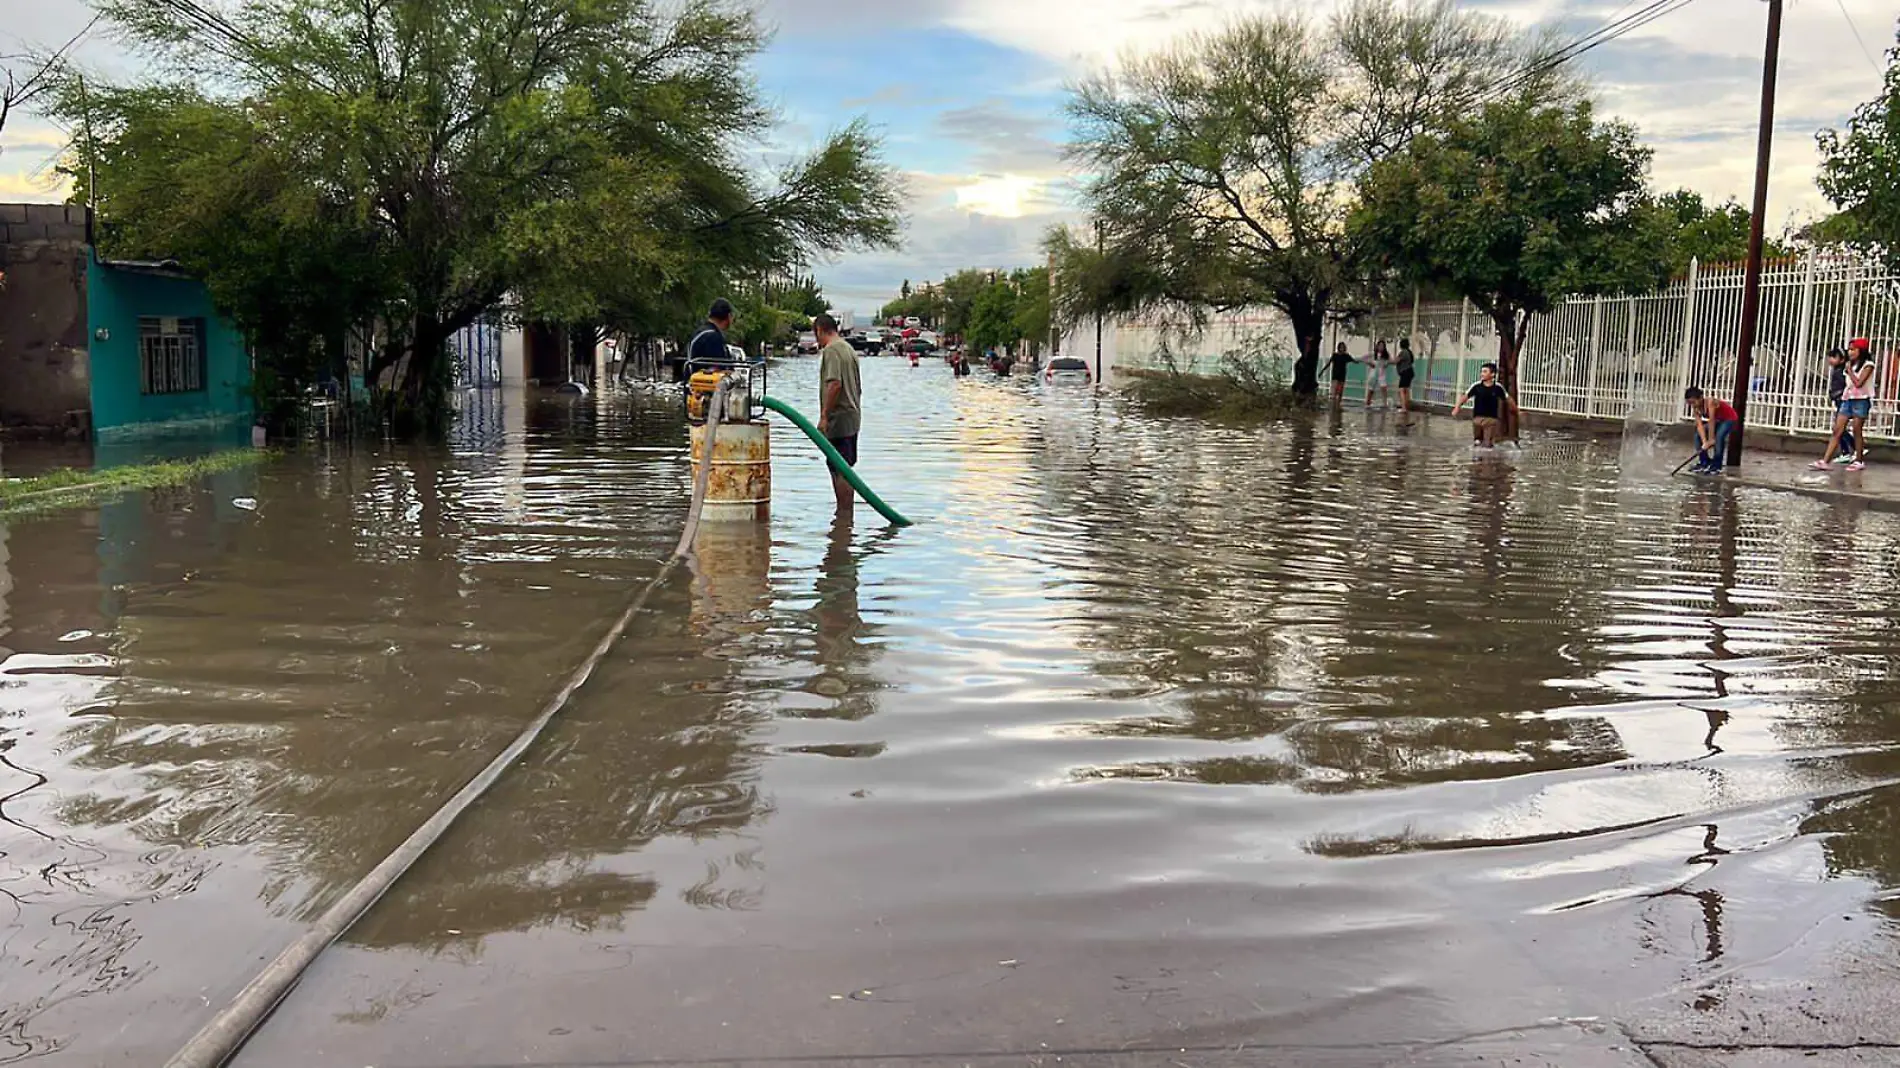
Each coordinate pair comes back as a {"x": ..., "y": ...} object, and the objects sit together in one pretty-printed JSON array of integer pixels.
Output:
[{"x": 171, "y": 355}]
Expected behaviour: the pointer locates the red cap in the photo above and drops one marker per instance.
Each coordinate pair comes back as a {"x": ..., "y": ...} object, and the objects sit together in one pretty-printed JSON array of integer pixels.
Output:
[{"x": 1860, "y": 343}]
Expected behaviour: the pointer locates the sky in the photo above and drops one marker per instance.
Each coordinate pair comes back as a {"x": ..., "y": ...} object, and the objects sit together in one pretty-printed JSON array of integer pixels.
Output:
[{"x": 968, "y": 96}]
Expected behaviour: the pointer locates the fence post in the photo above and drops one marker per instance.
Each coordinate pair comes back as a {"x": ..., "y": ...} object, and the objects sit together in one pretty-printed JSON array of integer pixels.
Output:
[
  {"x": 1804, "y": 337},
  {"x": 1464, "y": 346},
  {"x": 1688, "y": 344},
  {"x": 1629, "y": 361},
  {"x": 1596, "y": 351},
  {"x": 1849, "y": 328}
]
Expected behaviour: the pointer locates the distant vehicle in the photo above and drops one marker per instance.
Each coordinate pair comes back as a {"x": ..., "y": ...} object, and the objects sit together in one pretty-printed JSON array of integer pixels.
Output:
[
  {"x": 918, "y": 347},
  {"x": 1067, "y": 371},
  {"x": 807, "y": 344},
  {"x": 913, "y": 322}
]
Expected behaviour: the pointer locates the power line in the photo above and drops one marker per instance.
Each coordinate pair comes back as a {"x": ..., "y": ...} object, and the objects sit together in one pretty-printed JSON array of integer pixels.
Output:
[
  {"x": 1858, "y": 39},
  {"x": 1609, "y": 31}
]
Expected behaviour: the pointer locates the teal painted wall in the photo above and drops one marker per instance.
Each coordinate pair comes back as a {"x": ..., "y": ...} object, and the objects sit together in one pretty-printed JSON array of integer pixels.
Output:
[{"x": 114, "y": 301}]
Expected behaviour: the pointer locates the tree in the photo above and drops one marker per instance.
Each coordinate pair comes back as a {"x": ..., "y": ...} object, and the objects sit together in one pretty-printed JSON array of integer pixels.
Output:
[
  {"x": 1858, "y": 171},
  {"x": 993, "y": 316},
  {"x": 1033, "y": 316},
  {"x": 1515, "y": 208},
  {"x": 1221, "y": 169},
  {"x": 585, "y": 156},
  {"x": 1694, "y": 231},
  {"x": 26, "y": 77}
]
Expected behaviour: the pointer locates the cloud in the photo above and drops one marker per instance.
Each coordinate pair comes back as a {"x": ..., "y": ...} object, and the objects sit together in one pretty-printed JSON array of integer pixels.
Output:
[
  {"x": 899, "y": 95},
  {"x": 1003, "y": 138}
]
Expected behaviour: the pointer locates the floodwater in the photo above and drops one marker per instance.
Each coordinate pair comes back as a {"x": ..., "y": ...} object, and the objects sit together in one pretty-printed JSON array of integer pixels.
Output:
[{"x": 1151, "y": 742}]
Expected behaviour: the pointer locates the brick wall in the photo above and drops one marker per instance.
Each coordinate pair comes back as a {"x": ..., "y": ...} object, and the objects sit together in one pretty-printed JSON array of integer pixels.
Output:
[{"x": 44, "y": 379}]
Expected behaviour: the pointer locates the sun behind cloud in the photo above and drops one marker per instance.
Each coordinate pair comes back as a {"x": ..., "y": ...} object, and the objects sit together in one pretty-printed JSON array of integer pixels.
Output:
[{"x": 1004, "y": 196}]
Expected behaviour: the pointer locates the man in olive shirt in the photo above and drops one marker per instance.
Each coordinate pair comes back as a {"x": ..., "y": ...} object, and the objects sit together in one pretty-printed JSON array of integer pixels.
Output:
[{"x": 840, "y": 412}]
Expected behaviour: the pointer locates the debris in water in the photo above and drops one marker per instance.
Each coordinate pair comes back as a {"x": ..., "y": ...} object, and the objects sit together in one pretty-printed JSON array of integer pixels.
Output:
[
  {"x": 75, "y": 636},
  {"x": 249, "y": 504}
]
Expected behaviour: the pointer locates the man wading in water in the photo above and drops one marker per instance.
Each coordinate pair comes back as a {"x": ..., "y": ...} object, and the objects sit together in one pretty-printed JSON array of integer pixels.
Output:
[
  {"x": 840, "y": 411},
  {"x": 1489, "y": 400}
]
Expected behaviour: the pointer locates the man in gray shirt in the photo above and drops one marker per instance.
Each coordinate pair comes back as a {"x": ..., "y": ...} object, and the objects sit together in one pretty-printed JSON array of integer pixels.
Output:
[{"x": 840, "y": 408}]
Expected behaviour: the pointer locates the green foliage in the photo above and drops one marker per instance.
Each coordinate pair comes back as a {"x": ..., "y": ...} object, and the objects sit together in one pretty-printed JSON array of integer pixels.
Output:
[
  {"x": 1034, "y": 317},
  {"x": 1514, "y": 208},
  {"x": 1860, "y": 169},
  {"x": 1222, "y": 167},
  {"x": 993, "y": 317},
  {"x": 1252, "y": 385},
  {"x": 1695, "y": 231},
  {"x": 336, "y": 161}
]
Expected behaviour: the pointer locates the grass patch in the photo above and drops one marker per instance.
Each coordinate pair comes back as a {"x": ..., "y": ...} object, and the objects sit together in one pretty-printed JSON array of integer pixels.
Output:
[
  {"x": 1250, "y": 387},
  {"x": 69, "y": 485}
]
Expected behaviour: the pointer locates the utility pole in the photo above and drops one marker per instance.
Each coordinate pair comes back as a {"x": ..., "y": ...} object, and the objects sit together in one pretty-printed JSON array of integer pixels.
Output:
[{"x": 1751, "y": 283}]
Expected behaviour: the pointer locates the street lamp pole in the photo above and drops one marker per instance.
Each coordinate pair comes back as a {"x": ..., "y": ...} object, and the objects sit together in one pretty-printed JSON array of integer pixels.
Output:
[{"x": 1751, "y": 284}]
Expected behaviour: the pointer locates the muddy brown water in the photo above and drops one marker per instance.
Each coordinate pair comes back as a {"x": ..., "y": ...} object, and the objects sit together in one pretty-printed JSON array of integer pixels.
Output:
[{"x": 1152, "y": 742}]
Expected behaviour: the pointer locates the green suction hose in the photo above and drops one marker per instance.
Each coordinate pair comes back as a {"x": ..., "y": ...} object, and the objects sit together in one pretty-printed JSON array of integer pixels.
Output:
[{"x": 837, "y": 461}]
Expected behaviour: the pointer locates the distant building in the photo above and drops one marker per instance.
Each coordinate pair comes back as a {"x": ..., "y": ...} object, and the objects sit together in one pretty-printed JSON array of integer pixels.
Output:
[{"x": 104, "y": 348}]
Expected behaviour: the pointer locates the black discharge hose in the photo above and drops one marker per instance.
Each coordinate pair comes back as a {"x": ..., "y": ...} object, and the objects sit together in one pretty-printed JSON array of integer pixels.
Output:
[{"x": 227, "y": 1032}]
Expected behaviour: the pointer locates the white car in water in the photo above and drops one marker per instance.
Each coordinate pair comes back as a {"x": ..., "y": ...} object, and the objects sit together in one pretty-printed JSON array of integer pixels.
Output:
[
  {"x": 807, "y": 344},
  {"x": 1067, "y": 371}
]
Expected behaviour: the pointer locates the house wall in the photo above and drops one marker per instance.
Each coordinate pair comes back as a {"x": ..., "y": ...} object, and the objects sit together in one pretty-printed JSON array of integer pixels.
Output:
[
  {"x": 43, "y": 353},
  {"x": 119, "y": 407}
]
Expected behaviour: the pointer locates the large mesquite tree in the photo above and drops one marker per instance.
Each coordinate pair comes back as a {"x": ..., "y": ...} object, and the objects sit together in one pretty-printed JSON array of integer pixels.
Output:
[
  {"x": 1516, "y": 207},
  {"x": 1221, "y": 170},
  {"x": 594, "y": 158}
]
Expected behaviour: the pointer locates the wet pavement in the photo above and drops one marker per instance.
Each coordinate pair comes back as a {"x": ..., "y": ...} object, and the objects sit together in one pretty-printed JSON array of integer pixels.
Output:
[{"x": 1152, "y": 743}]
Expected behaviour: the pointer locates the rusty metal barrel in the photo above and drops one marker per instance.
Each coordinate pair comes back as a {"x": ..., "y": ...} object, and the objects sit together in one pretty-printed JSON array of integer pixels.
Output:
[{"x": 740, "y": 490}]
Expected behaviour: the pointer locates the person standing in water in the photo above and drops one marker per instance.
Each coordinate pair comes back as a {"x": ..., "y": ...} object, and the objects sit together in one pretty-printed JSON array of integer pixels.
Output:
[
  {"x": 1341, "y": 360},
  {"x": 1375, "y": 374},
  {"x": 1407, "y": 364},
  {"x": 1489, "y": 401},
  {"x": 840, "y": 407}
]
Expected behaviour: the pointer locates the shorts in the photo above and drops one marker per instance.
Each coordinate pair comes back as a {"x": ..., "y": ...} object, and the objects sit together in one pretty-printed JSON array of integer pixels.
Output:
[
  {"x": 1405, "y": 379},
  {"x": 1860, "y": 408},
  {"x": 847, "y": 448},
  {"x": 1485, "y": 428}
]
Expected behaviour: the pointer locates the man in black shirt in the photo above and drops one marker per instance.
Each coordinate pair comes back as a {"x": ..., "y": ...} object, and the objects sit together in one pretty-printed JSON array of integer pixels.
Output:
[
  {"x": 708, "y": 347},
  {"x": 1488, "y": 403}
]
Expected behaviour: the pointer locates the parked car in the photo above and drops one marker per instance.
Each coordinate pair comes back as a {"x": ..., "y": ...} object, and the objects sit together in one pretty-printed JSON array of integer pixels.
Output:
[
  {"x": 1067, "y": 371},
  {"x": 912, "y": 322},
  {"x": 808, "y": 344}
]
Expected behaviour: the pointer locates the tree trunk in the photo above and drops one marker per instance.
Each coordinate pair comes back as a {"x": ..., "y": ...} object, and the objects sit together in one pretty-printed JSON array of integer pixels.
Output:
[
  {"x": 1309, "y": 330},
  {"x": 1510, "y": 344}
]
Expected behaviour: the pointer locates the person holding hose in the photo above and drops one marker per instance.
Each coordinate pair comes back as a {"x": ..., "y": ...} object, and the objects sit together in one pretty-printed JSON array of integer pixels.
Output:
[
  {"x": 1715, "y": 423},
  {"x": 840, "y": 408}
]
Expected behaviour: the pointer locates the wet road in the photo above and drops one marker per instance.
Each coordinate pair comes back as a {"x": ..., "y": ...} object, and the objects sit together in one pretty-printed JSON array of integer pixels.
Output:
[{"x": 1153, "y": 742}]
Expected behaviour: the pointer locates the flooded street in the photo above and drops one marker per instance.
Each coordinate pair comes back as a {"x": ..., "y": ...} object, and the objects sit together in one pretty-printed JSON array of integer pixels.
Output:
[{"x": 1152, "y": 742}]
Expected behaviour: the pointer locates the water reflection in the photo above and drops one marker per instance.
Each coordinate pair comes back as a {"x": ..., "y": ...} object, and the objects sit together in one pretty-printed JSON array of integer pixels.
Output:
[{"x": 1293, "y": 687}]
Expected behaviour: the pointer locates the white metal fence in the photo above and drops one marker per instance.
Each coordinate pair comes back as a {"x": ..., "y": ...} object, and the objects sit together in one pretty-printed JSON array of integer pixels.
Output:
[{"x": 1629, "y": 357}]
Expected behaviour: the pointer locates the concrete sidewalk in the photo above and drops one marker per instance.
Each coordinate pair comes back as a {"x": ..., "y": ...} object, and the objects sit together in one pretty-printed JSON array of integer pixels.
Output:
[{"x": 1877, "y": 487}]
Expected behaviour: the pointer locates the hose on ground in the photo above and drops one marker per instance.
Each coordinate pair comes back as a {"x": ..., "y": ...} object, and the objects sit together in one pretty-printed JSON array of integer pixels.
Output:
[{"x": 226, "y": 1033}]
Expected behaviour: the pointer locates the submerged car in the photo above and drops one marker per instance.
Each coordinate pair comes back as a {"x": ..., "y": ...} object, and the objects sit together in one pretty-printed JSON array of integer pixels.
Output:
[{"x": 1067, "y": 370}]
